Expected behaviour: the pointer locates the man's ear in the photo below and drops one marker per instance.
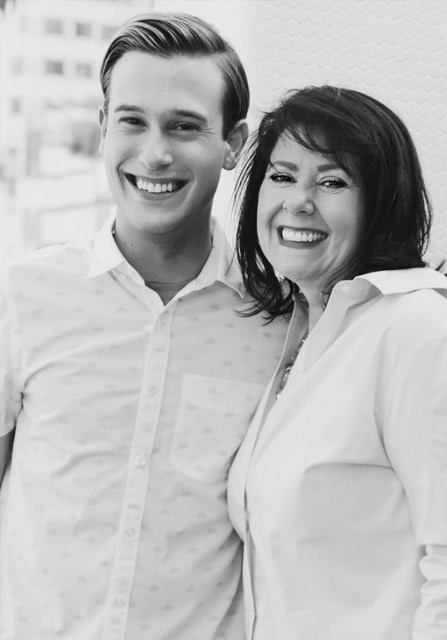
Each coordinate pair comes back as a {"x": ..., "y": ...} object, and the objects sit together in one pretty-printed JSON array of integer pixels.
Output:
[
  {"x": 235, "y": 143},
  {"x": 103, "y": 128}
]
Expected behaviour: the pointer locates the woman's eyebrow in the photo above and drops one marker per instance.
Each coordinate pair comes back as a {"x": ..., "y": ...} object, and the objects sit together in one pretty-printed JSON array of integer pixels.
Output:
[
  {"x": 285, "y": 164},
  {"x": 328, "y": 166}
]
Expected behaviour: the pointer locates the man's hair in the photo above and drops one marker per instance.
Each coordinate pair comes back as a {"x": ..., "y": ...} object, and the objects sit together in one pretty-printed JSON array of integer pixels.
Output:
[
  {"x": 175, "y": 34},
  {"x": 370, "y": 142}
]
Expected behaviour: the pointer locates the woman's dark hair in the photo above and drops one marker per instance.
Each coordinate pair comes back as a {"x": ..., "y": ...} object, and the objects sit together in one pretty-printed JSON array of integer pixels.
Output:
[{"x": 357, "y": 132}]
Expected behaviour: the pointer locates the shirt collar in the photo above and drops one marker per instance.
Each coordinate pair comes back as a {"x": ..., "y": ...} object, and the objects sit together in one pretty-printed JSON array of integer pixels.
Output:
[
  {"x": 220, "y": 265},
  {"x": 404, "y": 280},
  {"x": 105, "y": 254}
]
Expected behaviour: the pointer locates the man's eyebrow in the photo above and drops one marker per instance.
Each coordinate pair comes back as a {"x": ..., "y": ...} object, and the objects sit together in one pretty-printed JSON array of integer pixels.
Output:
[
  {"x": 187, "y": 113},
  {"x": 128, "y": 107},
  {"x": 182, "y": 113}
]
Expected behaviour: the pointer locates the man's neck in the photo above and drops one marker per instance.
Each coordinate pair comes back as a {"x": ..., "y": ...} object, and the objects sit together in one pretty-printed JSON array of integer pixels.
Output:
[
  {"x": 169, "y": 262},
  {"x": 167, "y": 290}
]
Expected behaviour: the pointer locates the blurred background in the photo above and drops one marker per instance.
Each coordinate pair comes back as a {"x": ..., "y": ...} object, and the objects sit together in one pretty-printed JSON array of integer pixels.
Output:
[{"x": 52, "y": 181}]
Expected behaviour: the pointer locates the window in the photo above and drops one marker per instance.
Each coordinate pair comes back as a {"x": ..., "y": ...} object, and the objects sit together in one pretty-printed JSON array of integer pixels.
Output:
[
  {"x": 83, "y": 70},
  {"x": 83, "y": 29},
  {"x": 53, "y": 25},
  {"x": 54, "y": 67},
  {"x": 107, "y": 31}
]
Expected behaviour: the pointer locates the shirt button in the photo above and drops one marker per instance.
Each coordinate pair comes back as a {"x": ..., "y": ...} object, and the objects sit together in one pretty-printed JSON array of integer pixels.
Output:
[
  {"x": 119, "y": 602},
  {"x": 141, "y": 461},
  {"x": 345, "y": 288},
  {"x": 130, "y": 532},
  {"x": 152, "y": 391}
]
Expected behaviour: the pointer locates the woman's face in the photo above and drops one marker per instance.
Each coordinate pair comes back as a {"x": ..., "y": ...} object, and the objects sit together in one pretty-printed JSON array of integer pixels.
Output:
[{"x": 310, "y": 215}]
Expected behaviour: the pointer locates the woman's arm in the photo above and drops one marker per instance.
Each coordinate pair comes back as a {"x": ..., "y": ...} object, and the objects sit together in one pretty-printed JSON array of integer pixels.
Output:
[
  {"x": 5, "y": 452},
  {"x": 416, "y": 441}
]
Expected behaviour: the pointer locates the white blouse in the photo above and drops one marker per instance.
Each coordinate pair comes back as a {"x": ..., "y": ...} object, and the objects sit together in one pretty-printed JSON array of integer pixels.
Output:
[{"x": 340, "y": 493}]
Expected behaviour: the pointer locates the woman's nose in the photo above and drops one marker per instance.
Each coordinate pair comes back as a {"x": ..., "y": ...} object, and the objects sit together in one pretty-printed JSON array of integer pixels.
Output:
[
  {"x": 155, "y": 151},
  {"x": 299, "y": 200}
]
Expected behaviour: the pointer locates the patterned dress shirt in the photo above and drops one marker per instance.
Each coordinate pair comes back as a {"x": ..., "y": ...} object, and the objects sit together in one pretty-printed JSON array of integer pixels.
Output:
[{"x": 127, "y": 416}]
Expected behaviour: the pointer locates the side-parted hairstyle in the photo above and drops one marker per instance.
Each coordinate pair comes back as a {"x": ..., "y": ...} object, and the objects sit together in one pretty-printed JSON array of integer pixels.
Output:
[
  {"x": 176, "y": 34},
  {"x": 366, "y": 139}
]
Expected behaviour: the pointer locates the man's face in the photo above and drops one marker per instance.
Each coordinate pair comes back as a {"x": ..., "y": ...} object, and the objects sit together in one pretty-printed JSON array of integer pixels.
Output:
[{"x": 163, "y": 144}]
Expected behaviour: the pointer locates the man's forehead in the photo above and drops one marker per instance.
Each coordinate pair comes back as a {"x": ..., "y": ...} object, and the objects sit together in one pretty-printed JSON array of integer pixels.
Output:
[
  {"x": 169, "y": 84},
  {"x": 184, "y": 71}
]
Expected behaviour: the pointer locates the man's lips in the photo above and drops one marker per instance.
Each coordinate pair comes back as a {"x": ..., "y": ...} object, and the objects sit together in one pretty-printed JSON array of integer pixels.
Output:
[
  {"x": 289, "y": 234},
  {"x": 159, "y": 185}
]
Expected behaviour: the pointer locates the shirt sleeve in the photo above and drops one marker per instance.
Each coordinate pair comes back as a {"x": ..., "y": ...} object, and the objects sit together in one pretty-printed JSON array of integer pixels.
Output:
[
  {"x": 10, "y": 394},
  {"x": 431, "y": 618},
  {"x": 415, "y": 437}
]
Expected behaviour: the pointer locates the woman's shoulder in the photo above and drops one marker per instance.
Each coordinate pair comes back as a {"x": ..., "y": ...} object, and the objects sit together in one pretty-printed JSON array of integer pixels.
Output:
[
  {"x": 408, "y": 307},
  {"x": 414, "y": 318}
]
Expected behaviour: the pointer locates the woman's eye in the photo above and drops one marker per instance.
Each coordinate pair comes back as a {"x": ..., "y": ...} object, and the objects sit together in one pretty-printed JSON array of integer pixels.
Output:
[
  {"x": 333, "y": 183},
  {"x": 280, "y": 178}
]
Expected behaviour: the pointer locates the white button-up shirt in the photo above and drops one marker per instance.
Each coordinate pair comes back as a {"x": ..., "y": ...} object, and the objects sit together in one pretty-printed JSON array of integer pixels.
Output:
[
  {"x": 128, "y": 414},
  {"x": 341, "y": 492}
]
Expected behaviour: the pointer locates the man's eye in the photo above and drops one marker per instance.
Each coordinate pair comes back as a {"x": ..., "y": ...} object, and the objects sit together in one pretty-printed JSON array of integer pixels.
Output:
[
  {"x": 333, "y": 183},
  {"x": 188, "y": 127},
  {"x": 132, "y": 121}
]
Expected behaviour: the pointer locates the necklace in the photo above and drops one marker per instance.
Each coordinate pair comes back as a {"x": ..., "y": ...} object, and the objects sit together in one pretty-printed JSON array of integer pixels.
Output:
[{"x": 288, "y": 367}]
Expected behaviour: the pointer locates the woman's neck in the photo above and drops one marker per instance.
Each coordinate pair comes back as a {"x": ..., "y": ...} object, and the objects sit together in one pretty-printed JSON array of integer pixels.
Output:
[{"x": 315, "y": 306}]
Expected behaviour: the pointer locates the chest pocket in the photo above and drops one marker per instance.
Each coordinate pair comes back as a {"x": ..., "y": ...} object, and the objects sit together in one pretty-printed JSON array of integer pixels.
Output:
[{"x": 212, "y": 419}]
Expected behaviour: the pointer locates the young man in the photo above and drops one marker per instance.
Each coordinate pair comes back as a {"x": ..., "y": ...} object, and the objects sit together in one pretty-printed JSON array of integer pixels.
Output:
[{"x": 127, "y": 375}]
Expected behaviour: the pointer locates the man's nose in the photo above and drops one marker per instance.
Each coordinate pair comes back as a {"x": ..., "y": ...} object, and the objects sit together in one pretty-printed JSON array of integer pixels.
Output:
[
  {"x": 299, "y": 200},
  {"x": 155, "y": 151}
]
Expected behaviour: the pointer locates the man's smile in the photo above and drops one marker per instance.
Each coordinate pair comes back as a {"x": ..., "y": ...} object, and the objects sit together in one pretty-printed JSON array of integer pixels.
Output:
[{"x": 160, "y": 185}]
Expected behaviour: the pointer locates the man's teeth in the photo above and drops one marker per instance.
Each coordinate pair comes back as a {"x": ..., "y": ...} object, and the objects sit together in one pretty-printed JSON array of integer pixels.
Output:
[
  {"x": 155, "y": 187},
  {"x": 301, "y": 236}
]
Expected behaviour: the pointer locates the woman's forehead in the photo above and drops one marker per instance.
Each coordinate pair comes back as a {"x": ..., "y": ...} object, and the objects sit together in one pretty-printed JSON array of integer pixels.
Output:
[{"x": 298, "y": 144}]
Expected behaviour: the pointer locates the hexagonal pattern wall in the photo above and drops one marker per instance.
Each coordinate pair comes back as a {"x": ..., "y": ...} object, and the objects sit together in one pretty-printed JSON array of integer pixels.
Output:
[{"x": 395, "y": 50}]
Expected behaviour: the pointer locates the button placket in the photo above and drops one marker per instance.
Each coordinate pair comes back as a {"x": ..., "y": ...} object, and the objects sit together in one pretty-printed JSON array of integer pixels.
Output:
[{"x": 137, "y": 482}]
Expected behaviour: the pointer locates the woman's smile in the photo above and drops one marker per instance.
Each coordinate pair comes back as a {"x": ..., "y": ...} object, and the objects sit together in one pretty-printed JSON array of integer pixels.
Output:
[{"x": 301, "y": 236}]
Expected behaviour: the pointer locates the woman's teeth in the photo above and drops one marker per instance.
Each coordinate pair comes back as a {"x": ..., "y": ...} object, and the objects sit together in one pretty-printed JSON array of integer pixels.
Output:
[{"x": 301, "y": 236}]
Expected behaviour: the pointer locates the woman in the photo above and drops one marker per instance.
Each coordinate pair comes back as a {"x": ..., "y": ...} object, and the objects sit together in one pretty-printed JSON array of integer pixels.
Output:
[{"x": 340, "y": 488}]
